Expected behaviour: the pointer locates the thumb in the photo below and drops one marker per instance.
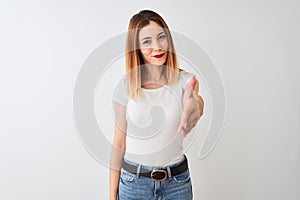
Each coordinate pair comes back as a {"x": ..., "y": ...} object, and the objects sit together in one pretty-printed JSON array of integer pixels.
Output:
[
  {"x": 192, "y": 82},
  {"x": 190, "y": 87}
]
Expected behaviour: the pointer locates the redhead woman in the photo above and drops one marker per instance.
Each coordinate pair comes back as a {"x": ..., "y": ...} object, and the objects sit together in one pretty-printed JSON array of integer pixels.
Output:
[{"x": 156, "y": 105}]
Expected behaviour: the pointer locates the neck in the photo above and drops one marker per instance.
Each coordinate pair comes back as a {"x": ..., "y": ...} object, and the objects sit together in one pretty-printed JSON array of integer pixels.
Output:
[{"x": 153, "y": 73}]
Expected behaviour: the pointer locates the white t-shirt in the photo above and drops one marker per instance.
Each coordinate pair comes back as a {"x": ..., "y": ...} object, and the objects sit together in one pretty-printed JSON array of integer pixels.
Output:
[{"x": 152, "y": 122}]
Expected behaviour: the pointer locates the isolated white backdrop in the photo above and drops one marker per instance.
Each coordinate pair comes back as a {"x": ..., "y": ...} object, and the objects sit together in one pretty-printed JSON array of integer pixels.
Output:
[{"x": 254, "y": 45}]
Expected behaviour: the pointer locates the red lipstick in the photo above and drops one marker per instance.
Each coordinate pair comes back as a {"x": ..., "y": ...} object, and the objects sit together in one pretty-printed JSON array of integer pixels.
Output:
[{"x": 159, "y": 55}]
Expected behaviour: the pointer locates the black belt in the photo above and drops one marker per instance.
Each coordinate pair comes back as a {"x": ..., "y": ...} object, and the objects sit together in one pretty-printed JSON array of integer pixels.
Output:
[{"x": 157, "y": 174}]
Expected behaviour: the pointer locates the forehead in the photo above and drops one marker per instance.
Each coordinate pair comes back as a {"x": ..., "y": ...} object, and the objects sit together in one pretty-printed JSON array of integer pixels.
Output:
[{"x": 152, "y": 29}]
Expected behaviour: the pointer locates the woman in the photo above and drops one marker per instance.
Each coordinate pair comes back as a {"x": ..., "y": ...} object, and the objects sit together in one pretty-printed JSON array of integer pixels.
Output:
[{"x": 147, "y": 159}]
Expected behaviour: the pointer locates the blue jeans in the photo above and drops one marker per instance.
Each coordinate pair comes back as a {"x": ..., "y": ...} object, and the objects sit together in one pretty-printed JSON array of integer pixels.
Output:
[{"x": 136, "y": 187}]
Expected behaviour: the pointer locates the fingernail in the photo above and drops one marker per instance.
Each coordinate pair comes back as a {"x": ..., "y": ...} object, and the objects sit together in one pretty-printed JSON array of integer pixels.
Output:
[
  {"x": 182, "y": 133},
  {"x": 185, "y": 125},
  {"x": 192, "y": 82}
]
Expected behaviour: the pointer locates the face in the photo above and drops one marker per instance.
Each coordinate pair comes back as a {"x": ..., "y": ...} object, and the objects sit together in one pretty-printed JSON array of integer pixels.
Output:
[{"x": 153, "y": 44}]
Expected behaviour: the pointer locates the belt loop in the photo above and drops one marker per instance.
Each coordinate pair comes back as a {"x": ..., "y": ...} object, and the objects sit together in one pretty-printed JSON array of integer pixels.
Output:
[
  {"x": 169, "y": 172},
  {"x": 138, "y": 171}
]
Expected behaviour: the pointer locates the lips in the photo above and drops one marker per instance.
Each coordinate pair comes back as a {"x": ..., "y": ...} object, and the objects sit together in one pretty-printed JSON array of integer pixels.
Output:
[{"x": 159, "y": 55}]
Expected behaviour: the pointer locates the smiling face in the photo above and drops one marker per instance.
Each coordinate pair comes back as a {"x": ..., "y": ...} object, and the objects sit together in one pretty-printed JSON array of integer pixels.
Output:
[{"x": 153, "y": 44}]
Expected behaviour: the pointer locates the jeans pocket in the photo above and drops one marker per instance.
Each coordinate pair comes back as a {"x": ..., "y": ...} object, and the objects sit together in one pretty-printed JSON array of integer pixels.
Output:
[
  {"x": 127, "y": 176},
  {"x": 183, "y": 177}
]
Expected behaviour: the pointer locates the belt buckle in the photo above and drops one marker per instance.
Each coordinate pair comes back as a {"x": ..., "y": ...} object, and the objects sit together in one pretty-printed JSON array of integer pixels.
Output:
[{"x": 156, "y": 173}]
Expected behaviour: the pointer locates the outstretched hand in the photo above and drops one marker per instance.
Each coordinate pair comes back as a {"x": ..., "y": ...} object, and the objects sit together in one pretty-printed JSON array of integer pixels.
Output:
[{"x": 191, "y": 110}]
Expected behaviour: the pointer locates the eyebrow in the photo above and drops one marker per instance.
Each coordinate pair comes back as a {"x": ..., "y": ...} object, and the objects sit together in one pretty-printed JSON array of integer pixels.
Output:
[{"x": 150, "y": 37}]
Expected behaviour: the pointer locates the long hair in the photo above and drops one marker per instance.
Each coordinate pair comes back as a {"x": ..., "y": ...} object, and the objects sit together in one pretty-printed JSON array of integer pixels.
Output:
[{"x": 133, "y": 56}]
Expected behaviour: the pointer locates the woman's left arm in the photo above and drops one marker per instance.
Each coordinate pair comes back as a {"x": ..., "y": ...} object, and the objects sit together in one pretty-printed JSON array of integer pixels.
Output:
[{"x": 193, "y": 105}]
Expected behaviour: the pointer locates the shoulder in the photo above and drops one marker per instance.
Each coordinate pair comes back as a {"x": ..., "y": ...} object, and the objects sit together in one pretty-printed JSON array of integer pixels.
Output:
[
  {"x": 120, "y": 92},
  {"x": 185, "y": 73},
  {"x": 122, "y": 82}
]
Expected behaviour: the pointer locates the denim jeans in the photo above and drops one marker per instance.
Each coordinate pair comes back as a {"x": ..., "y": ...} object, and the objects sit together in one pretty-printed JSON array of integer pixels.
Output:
[{"x": 136, "y": 187}]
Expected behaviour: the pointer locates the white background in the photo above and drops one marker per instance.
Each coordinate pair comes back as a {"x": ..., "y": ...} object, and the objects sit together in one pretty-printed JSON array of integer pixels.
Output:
[{"x": 254, "y": 45}]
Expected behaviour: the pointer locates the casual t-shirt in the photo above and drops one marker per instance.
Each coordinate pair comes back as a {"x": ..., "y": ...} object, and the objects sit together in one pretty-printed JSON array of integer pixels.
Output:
[{"x": 152, "y": 122}]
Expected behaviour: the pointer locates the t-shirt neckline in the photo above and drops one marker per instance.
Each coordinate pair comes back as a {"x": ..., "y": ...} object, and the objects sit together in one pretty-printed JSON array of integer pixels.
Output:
[{"x": 154, "y": 89}]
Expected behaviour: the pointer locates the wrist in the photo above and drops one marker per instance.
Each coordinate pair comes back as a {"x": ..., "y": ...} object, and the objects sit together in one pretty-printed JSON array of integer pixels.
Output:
[{"x": 114, "y": 197}]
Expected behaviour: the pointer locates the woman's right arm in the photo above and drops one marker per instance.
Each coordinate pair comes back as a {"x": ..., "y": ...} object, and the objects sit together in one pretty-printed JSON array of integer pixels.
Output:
[{"x": 118, "y": 149}]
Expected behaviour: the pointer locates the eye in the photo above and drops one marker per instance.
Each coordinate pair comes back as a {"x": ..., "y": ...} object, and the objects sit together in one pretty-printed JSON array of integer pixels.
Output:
[
  {"x": 146, "y": 42},
  {"x": 162, "y": 37}
]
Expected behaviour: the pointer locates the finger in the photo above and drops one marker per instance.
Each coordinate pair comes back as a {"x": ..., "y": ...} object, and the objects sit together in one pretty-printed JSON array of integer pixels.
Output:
[
  {"x": 182, "y": 133},
  {"x": 181, "y": 130},
  {"x": 188, "y": 129},
  {"x": 188, "y": 91},
  {"x": 192, "y": 83},
  {"x": 181, "y": 126},
  {"x": 183, "y": 122}
]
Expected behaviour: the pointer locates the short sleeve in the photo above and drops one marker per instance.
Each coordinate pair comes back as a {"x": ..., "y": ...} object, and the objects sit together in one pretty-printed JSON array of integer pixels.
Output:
[
  {"x": 185, "y": 78},
  {"x": 120, "y": 92}
]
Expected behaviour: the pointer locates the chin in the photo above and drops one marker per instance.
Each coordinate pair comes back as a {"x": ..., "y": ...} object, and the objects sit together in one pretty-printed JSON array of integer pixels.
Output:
[{"x": 159, "y": 63}]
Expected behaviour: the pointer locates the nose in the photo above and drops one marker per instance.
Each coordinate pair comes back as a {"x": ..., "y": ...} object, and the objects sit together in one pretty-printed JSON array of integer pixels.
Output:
[{"x": 155, "y": 45}]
